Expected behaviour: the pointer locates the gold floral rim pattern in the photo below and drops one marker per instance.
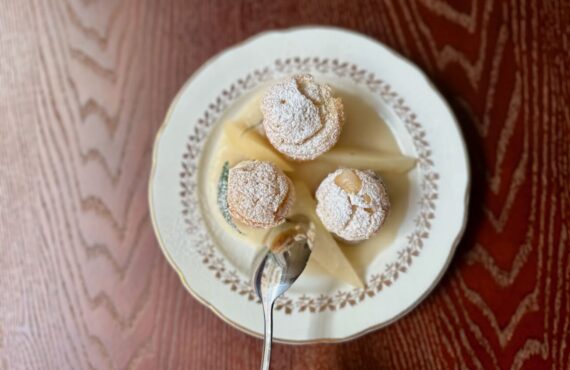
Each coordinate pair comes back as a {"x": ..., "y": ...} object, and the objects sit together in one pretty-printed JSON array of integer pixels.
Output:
[{"x": 195, "y": 224}]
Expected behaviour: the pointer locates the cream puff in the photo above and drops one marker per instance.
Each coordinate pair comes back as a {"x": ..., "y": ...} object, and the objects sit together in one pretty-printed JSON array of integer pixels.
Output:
[
  {"x": 301, "y": 118},
  {"x": 352, "y": 204},
  {"x": 259, "y": 194}
]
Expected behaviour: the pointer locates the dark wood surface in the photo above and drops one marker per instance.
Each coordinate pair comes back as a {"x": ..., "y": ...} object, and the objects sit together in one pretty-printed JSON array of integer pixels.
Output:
[{"x": 84, "y": 85}]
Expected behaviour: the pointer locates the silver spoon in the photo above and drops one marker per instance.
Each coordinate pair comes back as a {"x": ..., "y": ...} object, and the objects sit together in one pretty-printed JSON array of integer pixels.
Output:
[{"x": 283, "y": 259}]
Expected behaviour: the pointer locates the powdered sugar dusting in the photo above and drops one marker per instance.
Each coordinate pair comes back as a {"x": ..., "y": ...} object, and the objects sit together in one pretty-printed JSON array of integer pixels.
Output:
[
  {"x": 302, "y": 119},
  {"x": 290, "y": 115},
  {"x": 259, "y": 194},
  {"x": 353, "y": 216}
]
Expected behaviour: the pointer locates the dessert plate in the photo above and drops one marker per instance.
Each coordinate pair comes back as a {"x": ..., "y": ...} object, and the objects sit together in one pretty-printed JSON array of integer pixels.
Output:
[{"x": 215, "y": 267}]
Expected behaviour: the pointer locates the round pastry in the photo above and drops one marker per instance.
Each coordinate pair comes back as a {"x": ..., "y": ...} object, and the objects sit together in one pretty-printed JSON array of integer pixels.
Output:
[
  {"x": 352, "y": 204},
  {"x": 302, "y": 119},
  {"x": 259, "y": 194}
]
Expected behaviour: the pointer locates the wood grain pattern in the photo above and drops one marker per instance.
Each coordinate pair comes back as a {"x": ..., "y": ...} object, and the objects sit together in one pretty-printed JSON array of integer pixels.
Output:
[{"x": 84, "y": 85}]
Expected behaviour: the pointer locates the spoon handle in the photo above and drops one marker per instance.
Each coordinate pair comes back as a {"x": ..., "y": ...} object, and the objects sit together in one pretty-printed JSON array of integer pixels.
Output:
[{"x": 268, "y": 337}]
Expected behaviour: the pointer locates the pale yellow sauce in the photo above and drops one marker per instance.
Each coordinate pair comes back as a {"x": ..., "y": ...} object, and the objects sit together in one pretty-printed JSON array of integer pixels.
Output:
[{"x": 363, "y": 129}]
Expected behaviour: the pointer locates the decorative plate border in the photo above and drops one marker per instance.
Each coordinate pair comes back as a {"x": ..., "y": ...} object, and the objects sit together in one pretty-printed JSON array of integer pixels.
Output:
[{"x": 195, "y": 223}]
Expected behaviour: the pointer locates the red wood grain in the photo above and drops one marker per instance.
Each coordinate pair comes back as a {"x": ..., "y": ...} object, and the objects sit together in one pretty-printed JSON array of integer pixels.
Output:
[{"x": 85, "y": 84}]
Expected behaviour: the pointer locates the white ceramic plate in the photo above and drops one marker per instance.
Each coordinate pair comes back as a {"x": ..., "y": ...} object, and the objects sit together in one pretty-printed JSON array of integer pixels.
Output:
[{"x": 215, "y": 268}]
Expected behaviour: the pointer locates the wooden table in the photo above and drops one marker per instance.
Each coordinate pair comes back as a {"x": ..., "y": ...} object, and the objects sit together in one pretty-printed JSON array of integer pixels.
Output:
[{"x": 84, "y": 86}]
